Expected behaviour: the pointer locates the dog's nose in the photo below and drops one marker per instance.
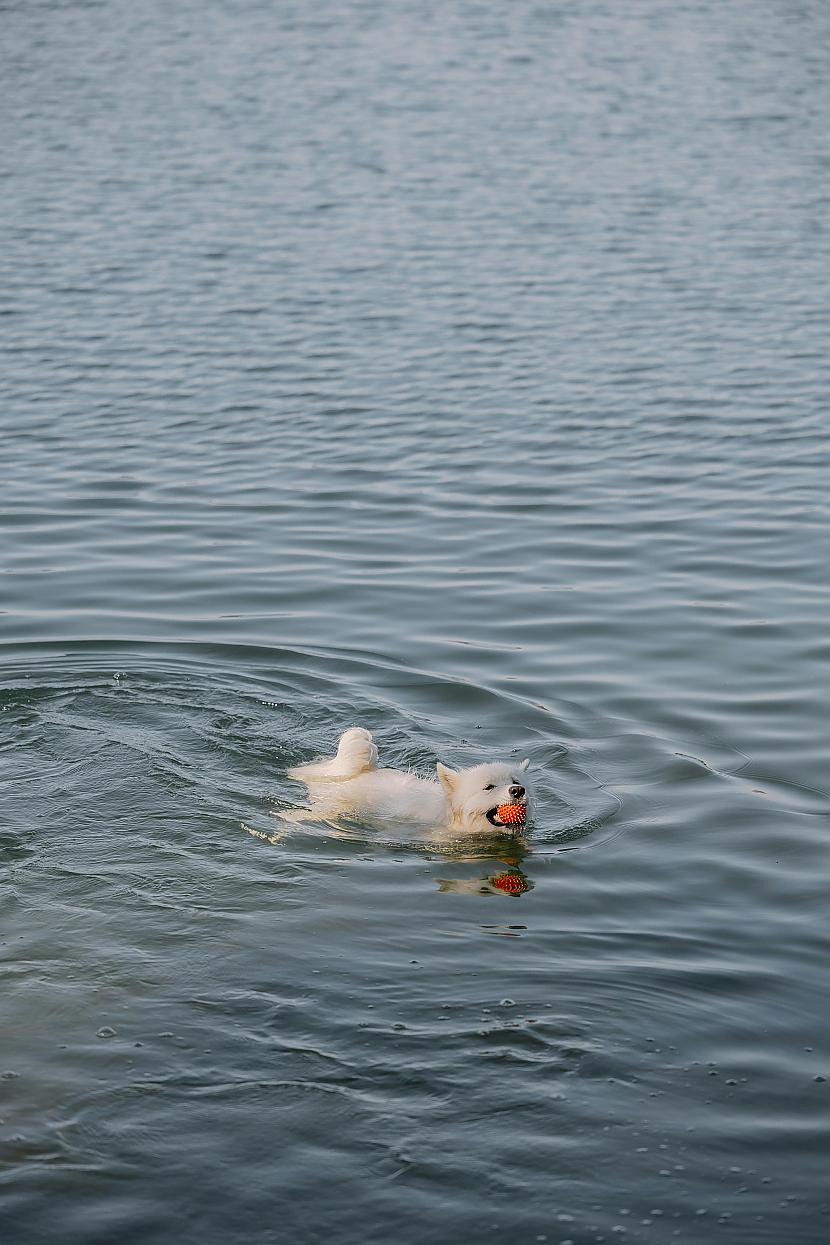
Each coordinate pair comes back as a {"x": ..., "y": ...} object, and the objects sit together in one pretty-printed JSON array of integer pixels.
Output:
[{"x": 516, "y": 792}]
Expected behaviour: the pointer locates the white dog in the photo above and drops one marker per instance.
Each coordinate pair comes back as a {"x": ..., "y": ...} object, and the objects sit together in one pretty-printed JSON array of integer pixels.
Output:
[{"x": 351, "y": 784}]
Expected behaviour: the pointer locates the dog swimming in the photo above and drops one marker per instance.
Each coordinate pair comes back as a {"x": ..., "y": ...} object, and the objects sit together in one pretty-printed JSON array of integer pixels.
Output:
[{"x": 483, "y": 799}]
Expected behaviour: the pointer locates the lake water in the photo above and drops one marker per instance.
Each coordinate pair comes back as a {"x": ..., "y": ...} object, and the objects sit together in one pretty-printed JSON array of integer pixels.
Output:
[{"x": 460, "y": 371}]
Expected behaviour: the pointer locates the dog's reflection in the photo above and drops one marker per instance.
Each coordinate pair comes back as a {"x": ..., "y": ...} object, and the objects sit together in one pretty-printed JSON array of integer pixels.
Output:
[
  {"x": 491, "y": 869},
  {"x": 501, "y": 876}
]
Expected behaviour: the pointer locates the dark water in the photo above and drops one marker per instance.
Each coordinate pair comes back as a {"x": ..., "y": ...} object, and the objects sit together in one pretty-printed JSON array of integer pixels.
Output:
[{"x": 460, "y": 371}]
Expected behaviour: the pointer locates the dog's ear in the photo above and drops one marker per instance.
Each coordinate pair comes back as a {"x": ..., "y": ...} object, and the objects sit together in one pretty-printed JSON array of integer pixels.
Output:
[
  {"x": 524, "y": 764},
  {"x": 447, "y": 777}
]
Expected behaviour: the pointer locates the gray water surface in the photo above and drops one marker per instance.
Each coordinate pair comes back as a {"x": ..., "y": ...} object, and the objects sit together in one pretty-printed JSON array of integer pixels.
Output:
[{"x": 460, "y": 371}]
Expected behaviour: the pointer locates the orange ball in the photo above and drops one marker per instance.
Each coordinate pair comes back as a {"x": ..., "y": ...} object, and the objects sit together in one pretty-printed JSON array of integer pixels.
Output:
[
  {"x": 510, "y": 883},
  {"x": 511, "y": 814}
]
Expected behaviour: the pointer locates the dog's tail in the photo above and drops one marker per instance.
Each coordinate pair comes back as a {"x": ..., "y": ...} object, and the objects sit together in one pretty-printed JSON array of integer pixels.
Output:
[{"x": 356, "y": 753}]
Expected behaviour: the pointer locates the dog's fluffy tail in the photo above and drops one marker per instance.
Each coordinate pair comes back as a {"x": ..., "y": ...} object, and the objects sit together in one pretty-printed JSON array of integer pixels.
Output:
[{"x": 356, "y": 753}]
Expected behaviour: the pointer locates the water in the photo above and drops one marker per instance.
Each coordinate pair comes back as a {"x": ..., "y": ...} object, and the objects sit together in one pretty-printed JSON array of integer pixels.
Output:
[{"x": 459, "y": 371}]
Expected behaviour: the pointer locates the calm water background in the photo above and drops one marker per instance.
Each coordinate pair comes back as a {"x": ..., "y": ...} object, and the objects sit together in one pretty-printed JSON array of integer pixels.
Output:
[{"x": 460, "y": 370}]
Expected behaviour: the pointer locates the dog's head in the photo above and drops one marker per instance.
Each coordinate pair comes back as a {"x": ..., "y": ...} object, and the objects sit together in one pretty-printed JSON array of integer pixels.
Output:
[{"x": 475, "y": 795}]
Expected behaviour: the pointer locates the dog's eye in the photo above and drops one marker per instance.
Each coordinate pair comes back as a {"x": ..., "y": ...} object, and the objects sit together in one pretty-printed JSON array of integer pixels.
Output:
[{"x": 490, "y": 786}]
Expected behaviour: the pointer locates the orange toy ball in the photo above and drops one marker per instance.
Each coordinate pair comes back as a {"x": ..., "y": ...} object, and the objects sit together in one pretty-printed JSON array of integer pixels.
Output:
[
  {"x": 510, "y": 883},
  {"x": 511, "y": 814}
]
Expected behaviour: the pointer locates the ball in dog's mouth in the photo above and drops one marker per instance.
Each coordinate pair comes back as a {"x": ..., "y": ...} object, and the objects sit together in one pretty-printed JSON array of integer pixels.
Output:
[{"x": 507, "y": 815}]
